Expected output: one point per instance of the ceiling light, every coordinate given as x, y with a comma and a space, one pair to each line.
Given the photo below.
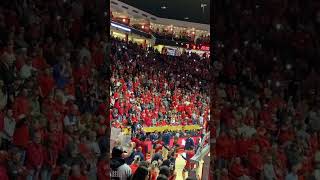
203, 5
163, 7
186, 18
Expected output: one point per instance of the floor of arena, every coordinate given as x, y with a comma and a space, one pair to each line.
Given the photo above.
180, 162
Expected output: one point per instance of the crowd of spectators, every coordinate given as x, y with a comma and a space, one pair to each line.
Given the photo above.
53, 91
133, 163
158, 168
265, 97
152, 89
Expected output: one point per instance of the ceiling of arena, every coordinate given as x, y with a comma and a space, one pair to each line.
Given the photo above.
186, 10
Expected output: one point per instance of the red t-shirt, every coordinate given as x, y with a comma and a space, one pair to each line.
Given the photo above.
137, 142
232, 148
34, 155
222, 146
70, 89
50, 156
81, 73
46, 84
189, 164
159, 146
286, 135
21, 136
153, 175
243, 147
21, 106
102, 109
3, 173
237, 170
263, 142
103, 173
256, 162
39, 63
134, 167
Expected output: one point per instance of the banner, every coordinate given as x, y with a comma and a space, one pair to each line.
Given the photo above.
168, 128
114, 137
119, 138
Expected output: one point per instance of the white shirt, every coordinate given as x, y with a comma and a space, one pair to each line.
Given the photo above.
316, 173
268, 171
94, 148
26, 71
247, 131
123, 172
69, 122
9, 127
201, 120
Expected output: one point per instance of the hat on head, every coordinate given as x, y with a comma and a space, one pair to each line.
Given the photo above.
117, 151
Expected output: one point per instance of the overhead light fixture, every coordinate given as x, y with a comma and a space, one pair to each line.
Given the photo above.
186, 18
163, 7
120, 27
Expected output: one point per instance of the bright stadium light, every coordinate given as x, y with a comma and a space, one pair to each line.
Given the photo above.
120, 27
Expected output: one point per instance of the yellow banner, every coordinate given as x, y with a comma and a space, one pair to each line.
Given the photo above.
163, 128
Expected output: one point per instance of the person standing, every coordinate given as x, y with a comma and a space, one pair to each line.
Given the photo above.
189, 143
35, 157
9, 126
189, 164
166, 137
119, 169
154, 138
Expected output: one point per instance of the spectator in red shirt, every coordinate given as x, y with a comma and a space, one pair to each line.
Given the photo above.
189, 164
39, 62
255, 162
237, 169
46, 83
222, 149
135, 164
35, 157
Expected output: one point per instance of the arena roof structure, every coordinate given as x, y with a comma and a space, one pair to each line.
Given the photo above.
197, 11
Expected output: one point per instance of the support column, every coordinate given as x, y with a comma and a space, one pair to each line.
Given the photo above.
127, 37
